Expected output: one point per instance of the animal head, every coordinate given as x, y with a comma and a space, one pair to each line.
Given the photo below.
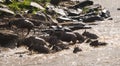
84, 33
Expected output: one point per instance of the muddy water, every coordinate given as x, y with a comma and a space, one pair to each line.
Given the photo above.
109, 31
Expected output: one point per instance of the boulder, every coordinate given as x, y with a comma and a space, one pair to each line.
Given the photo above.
7, 11
59, 11
34, 4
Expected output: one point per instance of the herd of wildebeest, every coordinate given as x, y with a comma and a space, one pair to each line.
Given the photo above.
42, 33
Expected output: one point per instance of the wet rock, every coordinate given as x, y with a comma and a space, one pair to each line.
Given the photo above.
34, 4
90, 35
63, 19
73, 12
83, 4
77, 49
6, 11
60, 11
3, 6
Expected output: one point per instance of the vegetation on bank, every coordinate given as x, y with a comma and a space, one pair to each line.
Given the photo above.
24, 5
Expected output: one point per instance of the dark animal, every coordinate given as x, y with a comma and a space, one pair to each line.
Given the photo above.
36, 22
35, 43
39, 48
52, 40
65, 36
77, 49
88, 40
59, 47
92, 18
8, 40
96, 43
22, 24
90, 35
80, 38
118, 8
83, 4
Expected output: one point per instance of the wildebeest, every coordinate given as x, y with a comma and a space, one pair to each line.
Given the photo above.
52, 40
83, 4
59, 47
35, 43
89, 35
8, 40
80, 38
65, 36
76, 49
96, 43
22, 24
92, 18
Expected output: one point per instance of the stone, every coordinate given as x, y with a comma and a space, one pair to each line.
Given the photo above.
7, 11
34, 4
